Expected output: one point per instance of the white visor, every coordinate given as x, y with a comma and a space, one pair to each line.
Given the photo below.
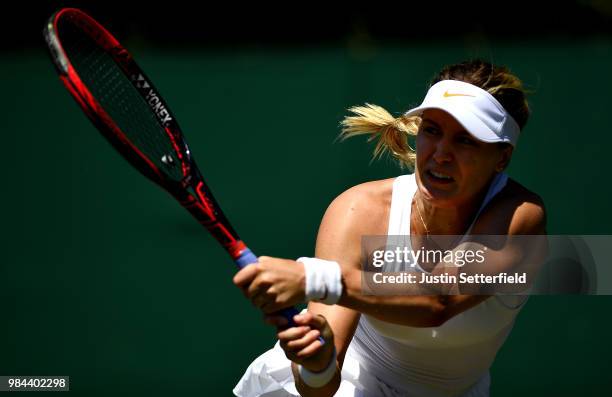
474, 108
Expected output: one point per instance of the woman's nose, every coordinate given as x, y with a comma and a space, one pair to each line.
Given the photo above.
442, 152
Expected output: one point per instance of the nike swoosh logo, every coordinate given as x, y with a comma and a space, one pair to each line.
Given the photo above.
447, 94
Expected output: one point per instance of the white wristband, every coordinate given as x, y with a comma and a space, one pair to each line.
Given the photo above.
323, 280
319, 379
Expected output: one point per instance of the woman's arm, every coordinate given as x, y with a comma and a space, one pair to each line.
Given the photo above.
352, 215
343, 321
513, 218
359, 212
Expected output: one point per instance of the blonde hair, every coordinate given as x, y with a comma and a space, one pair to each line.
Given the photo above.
393, 132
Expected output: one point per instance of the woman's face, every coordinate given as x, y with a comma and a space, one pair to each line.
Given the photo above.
452, 166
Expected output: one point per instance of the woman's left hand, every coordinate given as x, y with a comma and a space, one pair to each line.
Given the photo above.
272, 283
303, 342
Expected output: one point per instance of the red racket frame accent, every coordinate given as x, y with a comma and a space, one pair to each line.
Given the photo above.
192, 192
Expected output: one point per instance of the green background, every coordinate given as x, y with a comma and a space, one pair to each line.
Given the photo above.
104, 277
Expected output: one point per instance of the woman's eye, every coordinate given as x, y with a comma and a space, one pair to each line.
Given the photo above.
430, 130
467, 141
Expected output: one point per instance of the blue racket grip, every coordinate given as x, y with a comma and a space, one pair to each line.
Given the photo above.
246, 258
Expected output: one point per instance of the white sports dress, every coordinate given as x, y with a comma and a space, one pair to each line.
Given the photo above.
391, 360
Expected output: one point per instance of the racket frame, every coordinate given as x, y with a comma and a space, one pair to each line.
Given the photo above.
191, 192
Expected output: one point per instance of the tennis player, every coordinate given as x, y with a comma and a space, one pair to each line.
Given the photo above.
404, 345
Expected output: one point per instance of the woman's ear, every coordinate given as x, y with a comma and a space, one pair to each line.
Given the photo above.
504, 160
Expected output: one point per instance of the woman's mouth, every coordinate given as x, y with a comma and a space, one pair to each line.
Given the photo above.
439, 177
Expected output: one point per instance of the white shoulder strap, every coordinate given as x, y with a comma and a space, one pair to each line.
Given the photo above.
404, 188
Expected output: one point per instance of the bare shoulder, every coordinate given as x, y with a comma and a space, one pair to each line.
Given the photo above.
515, 210
363, 206
359, 211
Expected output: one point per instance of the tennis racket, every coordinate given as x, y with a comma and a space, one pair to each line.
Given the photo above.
130, 113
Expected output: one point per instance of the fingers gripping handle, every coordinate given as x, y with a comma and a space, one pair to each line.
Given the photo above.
247, 257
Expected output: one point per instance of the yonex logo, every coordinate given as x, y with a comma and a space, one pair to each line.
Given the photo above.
139, 81
158, 107
152, 99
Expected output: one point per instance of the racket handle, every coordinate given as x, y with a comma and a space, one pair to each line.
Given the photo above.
248, 257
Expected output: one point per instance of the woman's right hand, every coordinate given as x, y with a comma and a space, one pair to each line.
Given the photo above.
301, 343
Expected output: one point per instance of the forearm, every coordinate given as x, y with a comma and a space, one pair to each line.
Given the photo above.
404, 308
307, 391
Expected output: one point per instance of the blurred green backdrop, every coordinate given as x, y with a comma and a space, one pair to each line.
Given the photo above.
106, 279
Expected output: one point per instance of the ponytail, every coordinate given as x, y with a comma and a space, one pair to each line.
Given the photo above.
392, 133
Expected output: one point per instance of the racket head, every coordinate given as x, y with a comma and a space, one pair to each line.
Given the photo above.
128, 110
119, 98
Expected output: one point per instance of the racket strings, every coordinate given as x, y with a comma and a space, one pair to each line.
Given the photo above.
114, 91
